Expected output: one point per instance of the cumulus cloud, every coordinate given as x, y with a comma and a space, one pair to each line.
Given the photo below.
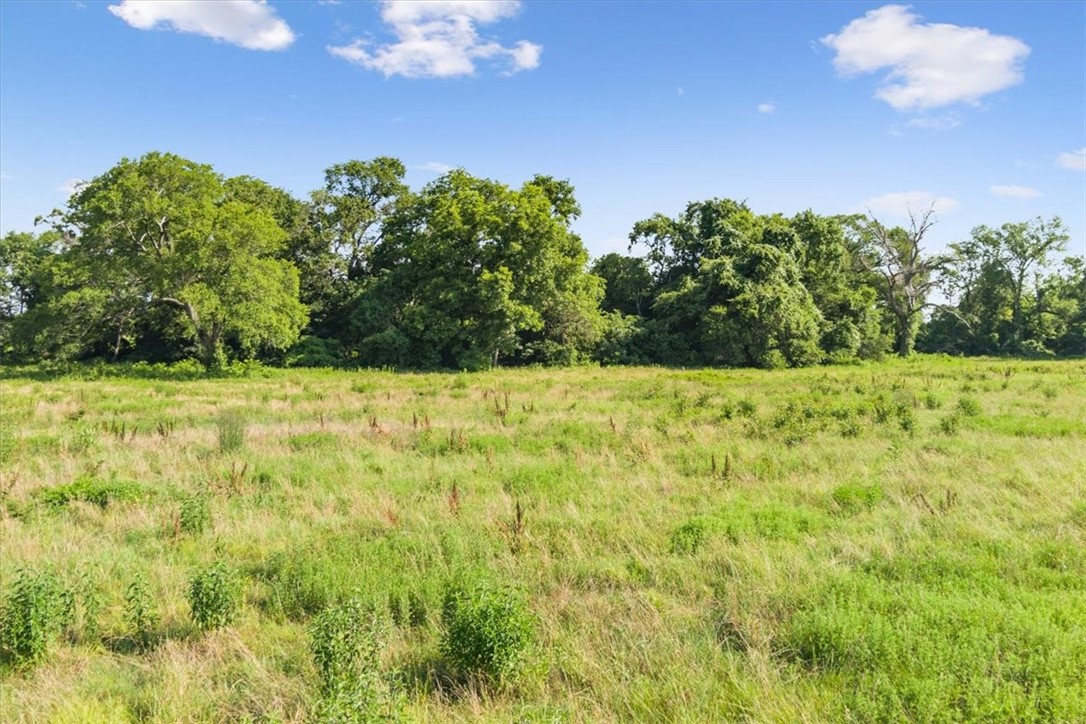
438, 39
1014, 192
435, 167
251, 24
767, 107
928, 64
1074, 160
903, 203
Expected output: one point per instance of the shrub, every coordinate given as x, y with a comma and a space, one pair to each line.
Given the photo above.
139, 613
35, 611
950, 424
195, 514
968, 406
231, 432
215, 597
488, 631
345, 642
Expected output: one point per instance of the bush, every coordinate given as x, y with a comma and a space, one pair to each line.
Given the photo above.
345, 642
488, 631
314, 352
968, 406
950, 424
35, 611
195, 514
215, 597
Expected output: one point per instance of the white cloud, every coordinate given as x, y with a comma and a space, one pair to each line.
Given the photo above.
1014, 192
251, 24
929, 64
1074, 160
438, 39
6, 176
70, 186
767, 107
435, 167
903, 203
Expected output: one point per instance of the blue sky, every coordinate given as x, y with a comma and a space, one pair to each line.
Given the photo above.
643, 106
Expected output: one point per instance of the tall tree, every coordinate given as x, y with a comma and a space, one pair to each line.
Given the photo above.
1021, 251
895, 256
470, 272
730, 289
164, 230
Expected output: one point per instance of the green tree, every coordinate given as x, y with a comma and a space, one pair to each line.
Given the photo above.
470, 272
1019, 254
845, 295
627, 283
730, 288
25, 278
163, 230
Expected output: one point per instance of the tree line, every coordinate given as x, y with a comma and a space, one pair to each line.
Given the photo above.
162, 259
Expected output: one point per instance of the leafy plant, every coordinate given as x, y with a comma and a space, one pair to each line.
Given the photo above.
92, 490
968, 406
950, 424
195, 514
35, 612
345, 642
139, 613
488, 631
214, 597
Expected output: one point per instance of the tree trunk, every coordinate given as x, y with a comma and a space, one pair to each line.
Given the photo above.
903, 337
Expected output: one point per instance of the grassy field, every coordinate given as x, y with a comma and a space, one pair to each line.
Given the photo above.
895, 542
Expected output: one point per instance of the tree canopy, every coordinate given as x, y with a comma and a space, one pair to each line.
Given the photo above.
163, 258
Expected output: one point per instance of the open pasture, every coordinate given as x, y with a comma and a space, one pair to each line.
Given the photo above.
903, 541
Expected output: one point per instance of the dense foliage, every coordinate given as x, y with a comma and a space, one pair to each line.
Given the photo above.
161, 259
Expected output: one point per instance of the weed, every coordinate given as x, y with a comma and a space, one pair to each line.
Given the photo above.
968, 406
950, 424
89, 489
35, 612
194, 515
855, 497
689, 537
214, 597
139, 613
345, 643
417, 614
231, 429
488, 631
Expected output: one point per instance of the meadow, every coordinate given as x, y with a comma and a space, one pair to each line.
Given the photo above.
900, 541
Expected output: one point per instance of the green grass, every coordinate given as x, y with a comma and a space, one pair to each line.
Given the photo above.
903, 541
